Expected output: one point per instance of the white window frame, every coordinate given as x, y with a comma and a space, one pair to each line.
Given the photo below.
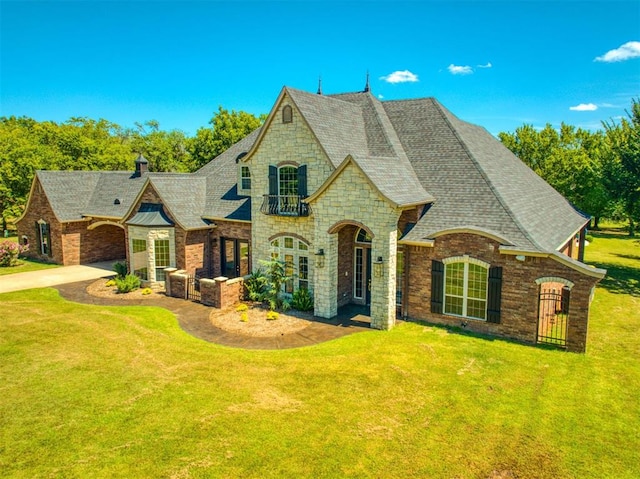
299, 249
466, 261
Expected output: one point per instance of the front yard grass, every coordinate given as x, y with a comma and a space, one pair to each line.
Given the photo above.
122, 392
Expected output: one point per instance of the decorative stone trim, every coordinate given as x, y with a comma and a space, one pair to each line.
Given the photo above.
466, 259
337, 226
555, 279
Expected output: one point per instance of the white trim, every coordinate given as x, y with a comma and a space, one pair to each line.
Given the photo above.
466, 259
555, 279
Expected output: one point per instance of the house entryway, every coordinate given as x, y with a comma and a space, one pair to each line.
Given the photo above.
553, 314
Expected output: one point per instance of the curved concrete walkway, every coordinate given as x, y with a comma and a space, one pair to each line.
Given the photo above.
193, 318
51, 277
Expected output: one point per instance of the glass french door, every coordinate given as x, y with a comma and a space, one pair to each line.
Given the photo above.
235, 258
362, 275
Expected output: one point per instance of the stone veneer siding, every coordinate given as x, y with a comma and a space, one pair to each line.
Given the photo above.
373, 211
519, 306
284, 142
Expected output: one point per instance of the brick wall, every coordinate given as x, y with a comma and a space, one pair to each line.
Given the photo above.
221, 292
72, 243
519, 306
346, 238
231, 230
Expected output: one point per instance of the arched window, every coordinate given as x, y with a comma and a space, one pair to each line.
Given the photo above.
295, 254
287, 114
363, 236
465, 288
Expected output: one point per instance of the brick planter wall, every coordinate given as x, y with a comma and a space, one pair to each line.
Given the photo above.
221, 292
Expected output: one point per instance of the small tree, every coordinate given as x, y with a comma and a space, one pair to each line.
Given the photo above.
266, 284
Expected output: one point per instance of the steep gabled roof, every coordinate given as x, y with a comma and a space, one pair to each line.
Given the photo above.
222, 198
113, 194
68, 192
184, 196
478, 183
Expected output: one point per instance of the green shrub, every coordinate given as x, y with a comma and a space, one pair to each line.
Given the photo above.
120, 269
127, 284
256, 285
302, 300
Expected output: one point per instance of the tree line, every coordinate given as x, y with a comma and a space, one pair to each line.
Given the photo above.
80, 143
597, 171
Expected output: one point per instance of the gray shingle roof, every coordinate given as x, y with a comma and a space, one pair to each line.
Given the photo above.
412, 150
477, 182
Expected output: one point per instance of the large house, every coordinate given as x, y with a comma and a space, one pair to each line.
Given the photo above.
396, 205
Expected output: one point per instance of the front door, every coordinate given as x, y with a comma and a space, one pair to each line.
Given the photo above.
362, 275
235, 258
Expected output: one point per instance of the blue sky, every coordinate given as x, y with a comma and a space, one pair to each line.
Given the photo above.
495, 63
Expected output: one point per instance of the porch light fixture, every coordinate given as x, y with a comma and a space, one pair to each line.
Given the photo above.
377, 267
319, 258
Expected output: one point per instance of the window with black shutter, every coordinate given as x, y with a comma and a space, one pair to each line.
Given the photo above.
437, 282
494, 296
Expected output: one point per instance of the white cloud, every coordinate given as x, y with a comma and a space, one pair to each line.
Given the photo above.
625, 52
584, 107
459, 70
488, 65
403, 76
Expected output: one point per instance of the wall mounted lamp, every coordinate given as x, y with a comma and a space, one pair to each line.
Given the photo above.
377, 267
319, 258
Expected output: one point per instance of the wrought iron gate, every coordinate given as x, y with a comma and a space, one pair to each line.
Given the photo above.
553, 316
193, 288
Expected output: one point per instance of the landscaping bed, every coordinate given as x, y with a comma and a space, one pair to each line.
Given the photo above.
254, 321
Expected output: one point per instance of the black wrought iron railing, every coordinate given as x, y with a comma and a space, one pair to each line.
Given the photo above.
285, 205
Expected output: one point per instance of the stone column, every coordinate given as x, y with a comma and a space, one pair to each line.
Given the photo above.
383, 286
325, 284
167, 280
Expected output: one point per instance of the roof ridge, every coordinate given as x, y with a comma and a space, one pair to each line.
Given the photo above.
484, 176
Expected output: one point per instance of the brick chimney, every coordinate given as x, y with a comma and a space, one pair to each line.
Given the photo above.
142, 166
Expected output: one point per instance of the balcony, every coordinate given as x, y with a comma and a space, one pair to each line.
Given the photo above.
285, 205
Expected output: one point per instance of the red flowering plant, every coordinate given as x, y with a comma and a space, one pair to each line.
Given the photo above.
10, 252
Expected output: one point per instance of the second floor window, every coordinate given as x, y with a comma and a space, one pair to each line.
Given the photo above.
245, 178
287, 187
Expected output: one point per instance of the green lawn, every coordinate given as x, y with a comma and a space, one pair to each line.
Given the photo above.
25, 264
123, 392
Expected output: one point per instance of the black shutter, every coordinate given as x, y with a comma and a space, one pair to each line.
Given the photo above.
437, 282
302, 190
38, 238
273, 189
495, 294
302, 181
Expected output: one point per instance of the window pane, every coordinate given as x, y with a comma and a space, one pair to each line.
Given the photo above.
138, 245
142, 273
359, 273
453, 305
302, 246
288, 271
454, 274
303, 272
477, 282
476, 308
288, 243
161, 254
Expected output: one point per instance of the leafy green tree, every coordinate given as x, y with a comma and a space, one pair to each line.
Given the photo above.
569, 159
165, 150
227, 128
622, 167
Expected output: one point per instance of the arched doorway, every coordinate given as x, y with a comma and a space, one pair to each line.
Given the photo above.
362, 267
103, 241
553, 311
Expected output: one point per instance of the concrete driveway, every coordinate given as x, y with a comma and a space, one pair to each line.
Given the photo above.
52, 277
